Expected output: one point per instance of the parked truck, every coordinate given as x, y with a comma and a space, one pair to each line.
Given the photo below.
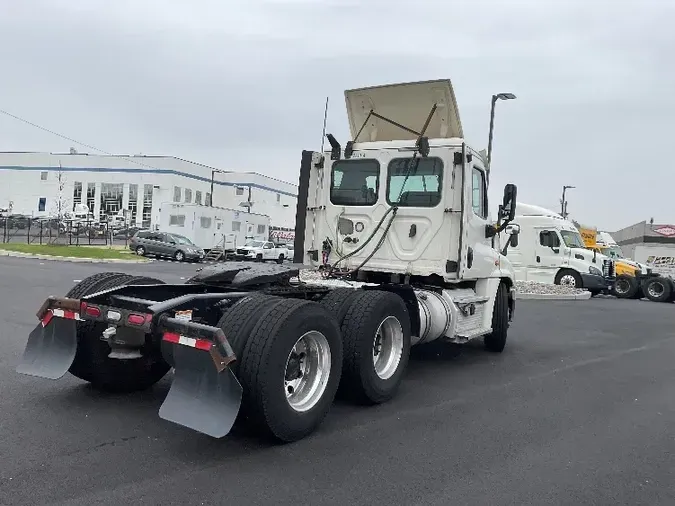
551, 250
630, 276
406, 201
660, 286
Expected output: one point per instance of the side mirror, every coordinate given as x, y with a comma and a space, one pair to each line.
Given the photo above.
513, 240
508, 208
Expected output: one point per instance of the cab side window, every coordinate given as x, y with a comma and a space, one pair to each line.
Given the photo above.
479, 193
549, 239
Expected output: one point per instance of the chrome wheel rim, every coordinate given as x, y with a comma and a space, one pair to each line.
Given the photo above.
621, 286
388, 347
307, 371
655, 289
568, 280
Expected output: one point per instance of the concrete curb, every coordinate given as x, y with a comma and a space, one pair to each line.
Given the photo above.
6, 253
552, 296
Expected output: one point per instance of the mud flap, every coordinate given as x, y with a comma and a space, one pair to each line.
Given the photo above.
50, 350
201, 398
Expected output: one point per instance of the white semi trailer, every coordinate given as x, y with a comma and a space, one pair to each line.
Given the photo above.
401, 212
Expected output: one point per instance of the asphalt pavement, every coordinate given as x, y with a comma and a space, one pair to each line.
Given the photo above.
578, 410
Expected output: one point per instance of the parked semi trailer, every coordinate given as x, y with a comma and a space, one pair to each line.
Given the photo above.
405, 206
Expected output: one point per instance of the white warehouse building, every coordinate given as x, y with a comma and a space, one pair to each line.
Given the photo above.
49, 184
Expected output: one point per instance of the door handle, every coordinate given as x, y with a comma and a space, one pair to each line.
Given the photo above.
538, 258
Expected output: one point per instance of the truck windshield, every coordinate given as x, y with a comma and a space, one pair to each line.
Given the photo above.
254, 244
355, 182
614, 252
572, 239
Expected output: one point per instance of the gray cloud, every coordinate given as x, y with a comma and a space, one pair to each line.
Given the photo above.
242, 84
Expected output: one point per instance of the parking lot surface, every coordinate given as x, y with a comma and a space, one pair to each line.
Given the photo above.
579, 409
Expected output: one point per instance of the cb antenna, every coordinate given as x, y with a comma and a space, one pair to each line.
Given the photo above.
325, 118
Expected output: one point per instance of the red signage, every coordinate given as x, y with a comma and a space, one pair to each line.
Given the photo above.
666, 230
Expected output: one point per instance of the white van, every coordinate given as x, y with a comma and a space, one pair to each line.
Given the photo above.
550, 250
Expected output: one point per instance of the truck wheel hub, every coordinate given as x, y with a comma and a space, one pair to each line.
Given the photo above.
388, 347
307, 371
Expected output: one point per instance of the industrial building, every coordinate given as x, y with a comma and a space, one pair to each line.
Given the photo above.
647, 235
50, 184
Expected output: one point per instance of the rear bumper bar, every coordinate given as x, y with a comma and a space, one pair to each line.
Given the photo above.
201, 337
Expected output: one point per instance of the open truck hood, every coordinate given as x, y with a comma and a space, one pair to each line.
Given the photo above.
408, 104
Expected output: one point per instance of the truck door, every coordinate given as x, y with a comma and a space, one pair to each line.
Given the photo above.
478, 257
547, 255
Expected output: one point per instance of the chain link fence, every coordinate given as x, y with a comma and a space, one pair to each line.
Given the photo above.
53, 231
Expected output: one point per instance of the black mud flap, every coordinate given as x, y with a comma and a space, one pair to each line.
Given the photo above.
50, 350
201, 397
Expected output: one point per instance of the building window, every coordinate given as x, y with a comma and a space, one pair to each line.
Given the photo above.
205, 222
198, 198
42, 204
176, 193
278, 197
43, 175
91, 197
240, 190
415, 183
208, 199
77, 194
111, 198
261, 229
236, 226
177, 220
478, 193
188, 196
133, 203
147, 206
355, 182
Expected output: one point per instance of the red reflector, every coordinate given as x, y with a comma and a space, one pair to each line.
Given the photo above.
136, 319
170, 337
203, 344
200, 344
92, 311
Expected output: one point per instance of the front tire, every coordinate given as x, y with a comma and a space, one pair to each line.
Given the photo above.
376, 336
179, 256
568, 277
625, 287
290, 369
496, 340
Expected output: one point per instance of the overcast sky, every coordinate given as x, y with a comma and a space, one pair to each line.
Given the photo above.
241, 84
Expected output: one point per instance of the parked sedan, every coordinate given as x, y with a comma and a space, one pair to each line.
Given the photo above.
161, 244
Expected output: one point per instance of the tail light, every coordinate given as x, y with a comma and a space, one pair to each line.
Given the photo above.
138, 319
92, 311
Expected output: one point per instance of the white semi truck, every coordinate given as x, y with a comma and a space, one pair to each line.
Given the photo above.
404, 205
551, 250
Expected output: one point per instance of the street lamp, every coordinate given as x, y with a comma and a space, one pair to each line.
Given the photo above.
498, 96
213, 173
563, 202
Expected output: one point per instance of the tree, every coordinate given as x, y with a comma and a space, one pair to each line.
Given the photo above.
62, 204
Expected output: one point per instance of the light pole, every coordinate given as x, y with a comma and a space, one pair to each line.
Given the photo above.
563, 202
213, 174
495, 98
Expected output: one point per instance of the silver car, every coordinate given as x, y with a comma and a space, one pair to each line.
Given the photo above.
161, 244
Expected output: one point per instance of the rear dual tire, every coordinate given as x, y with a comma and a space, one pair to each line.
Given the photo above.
375, 327
289, 354
658, 289
92, 363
